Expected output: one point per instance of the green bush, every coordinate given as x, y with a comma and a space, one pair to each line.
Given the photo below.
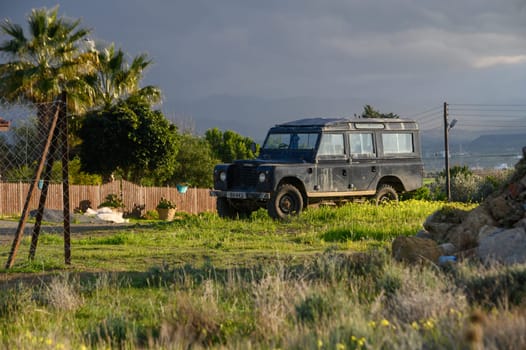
467, 187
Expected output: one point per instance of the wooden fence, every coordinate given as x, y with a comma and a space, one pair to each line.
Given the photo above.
195, 200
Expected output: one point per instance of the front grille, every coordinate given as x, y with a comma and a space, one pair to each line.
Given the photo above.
242, 176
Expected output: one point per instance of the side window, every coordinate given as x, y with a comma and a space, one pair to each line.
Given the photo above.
331, 145
398, 143
362, 145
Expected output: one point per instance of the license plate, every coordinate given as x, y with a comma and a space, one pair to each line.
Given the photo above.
237, 195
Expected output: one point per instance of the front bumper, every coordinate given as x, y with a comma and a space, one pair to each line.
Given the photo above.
240, 194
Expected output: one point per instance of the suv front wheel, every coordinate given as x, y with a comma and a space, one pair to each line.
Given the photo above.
285, 202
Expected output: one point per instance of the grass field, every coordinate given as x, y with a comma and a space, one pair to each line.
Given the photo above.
324, 280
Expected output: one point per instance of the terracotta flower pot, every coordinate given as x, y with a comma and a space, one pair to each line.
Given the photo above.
166, 214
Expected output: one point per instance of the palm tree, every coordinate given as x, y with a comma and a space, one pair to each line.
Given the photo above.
115, 80
45, 63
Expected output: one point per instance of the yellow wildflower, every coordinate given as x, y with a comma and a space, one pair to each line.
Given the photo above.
429, 324
372, 324
415, 325
340, 346
384, 323
361, 342
320, 344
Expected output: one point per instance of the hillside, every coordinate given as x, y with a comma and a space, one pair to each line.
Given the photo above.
495, 143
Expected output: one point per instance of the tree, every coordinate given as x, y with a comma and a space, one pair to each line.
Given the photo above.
195, 162
370, 112
114, 79
229, 146
130, 138
47, 62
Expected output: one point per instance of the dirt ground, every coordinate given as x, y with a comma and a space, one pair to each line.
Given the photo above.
8, 228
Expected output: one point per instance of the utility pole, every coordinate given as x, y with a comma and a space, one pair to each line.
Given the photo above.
446, 153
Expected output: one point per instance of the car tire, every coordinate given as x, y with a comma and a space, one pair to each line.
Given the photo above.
385, 194
225, 209
287, 201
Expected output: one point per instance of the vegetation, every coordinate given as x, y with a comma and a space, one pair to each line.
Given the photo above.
166, 204
131, 139
205, 282
466, 186
370, 112
46, 62
114, 80
112, 201
194, 162
228, 146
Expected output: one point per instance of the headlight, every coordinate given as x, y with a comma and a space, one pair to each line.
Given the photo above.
262, 177
222, 176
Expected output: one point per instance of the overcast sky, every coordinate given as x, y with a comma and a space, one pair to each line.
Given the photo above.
245, 65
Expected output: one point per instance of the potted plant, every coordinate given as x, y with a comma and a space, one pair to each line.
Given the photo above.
182, 187
114, 202
166, 209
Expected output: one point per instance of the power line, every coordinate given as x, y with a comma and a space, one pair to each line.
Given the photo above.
434, 109
486, 105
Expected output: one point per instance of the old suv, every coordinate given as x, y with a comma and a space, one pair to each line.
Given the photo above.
310, 161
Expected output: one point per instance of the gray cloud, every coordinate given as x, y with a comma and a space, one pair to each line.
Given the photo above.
401, 55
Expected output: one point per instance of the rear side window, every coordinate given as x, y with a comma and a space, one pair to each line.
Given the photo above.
397, 143
362, 145
331, 145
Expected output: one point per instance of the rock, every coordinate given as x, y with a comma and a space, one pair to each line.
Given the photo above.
505, 246
442, 221
521, 223
415, 249
447, 249
465, 235
505, 210
423, 234
487, 230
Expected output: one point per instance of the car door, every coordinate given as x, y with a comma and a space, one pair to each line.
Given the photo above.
332, 173
363, 166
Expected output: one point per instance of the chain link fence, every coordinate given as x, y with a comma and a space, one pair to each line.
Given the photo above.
24, 129
33, 144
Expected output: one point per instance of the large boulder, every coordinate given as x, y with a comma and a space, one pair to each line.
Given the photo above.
465, 235
442, 221
507, 246
505, 209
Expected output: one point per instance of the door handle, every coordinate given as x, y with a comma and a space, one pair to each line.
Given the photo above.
344, 172
373, 169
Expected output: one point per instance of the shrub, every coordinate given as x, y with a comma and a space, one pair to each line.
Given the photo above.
313, 309
466, 186
112, 201
166, 204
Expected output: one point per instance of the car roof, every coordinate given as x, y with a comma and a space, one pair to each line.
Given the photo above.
315, 122
335, 121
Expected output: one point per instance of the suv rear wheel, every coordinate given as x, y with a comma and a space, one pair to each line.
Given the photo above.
385, 194
285, 202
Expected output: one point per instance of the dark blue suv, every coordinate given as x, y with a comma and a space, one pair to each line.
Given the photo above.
317, 160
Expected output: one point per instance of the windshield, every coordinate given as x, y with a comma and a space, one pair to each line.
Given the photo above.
291, 141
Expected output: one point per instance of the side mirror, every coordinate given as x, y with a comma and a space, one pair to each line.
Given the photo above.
253, 147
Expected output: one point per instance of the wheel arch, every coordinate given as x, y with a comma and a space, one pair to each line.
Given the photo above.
392, 181
294, 181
